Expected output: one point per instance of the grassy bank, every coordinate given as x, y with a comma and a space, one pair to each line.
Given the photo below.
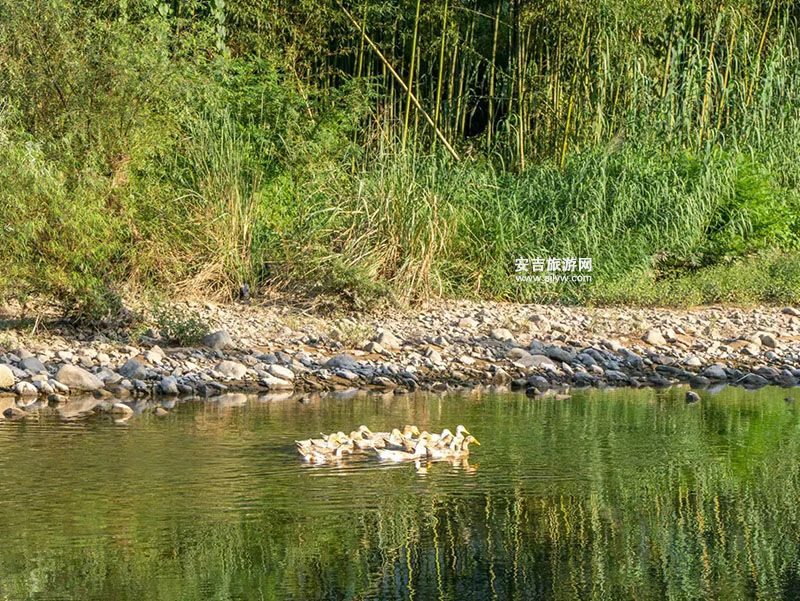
191, 148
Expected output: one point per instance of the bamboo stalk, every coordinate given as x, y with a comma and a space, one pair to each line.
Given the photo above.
708, 78
440, 77
402, 83
571, 101
411, 70
493, 74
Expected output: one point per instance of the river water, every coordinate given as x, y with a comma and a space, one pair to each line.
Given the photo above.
608, 495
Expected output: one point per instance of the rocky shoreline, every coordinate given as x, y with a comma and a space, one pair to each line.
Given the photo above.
440, 347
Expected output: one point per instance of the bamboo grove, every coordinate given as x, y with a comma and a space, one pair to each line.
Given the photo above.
538, 80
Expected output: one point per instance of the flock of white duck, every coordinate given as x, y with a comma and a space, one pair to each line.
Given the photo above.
408, 444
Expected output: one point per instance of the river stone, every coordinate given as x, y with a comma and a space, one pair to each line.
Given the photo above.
33, 365
754, 380
7, 378
218, 340
342, 361
26, 389
154, 355
388, 340
274, 383
693, 361
467, 323
768, 340
715, 372
502, 334
77, 378
791, 311
537, 361
373, 347
751, 349
434, 355
279, 371
559, 354
168, 385
43, 386
654, 338
134, 368
231, 369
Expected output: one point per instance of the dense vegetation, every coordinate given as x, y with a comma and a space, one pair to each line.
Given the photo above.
398, 147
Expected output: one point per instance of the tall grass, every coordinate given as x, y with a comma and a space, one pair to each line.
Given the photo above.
430, 226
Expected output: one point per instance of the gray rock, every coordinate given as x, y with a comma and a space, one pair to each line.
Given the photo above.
279, 371
218, 340
693, 361
536, 361
33, 365
346, 374
768, 340
374, 347
7, 378
77, 378
43, 386
715, 372
434, 355
65, 355
751, 350
617, 376
559, 354
654, 338
467, 323
753, 380
231, 369
342, 361
791, 311
275, 383
154, 355
134, 368
502, 334
168, 385
26, 389
388, 340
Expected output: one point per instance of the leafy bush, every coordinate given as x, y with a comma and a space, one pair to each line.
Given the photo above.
180, 326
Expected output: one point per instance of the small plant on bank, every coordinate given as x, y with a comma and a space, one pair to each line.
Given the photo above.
180, 326
350, 334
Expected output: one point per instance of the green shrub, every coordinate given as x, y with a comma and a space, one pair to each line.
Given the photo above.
180, 326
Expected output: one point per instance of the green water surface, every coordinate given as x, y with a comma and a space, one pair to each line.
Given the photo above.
608, 495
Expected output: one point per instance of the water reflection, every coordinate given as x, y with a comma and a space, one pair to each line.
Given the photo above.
622, 495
